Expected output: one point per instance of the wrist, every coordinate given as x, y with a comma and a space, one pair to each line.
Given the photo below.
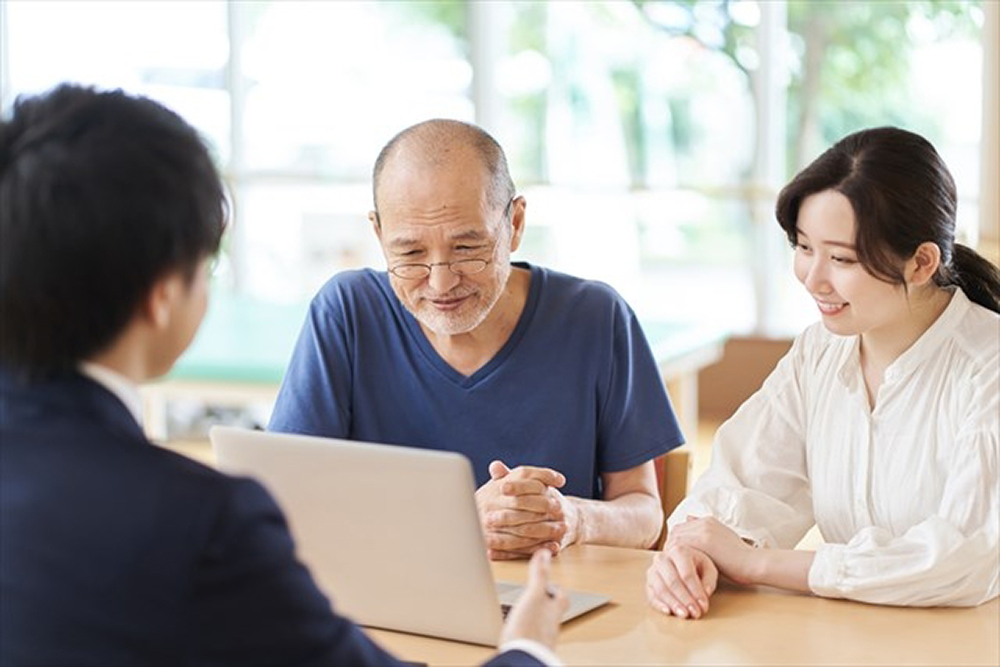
756, 565
542, 652
576, 527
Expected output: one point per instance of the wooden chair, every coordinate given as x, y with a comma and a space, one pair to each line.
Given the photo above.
672, 470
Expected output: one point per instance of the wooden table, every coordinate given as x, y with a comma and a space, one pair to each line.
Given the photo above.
759, 626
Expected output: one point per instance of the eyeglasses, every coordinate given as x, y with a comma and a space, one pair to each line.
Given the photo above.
460, 267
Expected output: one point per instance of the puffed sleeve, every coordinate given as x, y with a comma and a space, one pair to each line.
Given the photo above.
950, 558
757, 481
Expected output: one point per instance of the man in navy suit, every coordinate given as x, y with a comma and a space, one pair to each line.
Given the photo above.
114, 551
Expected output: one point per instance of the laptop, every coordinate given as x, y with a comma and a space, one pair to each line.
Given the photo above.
391, 534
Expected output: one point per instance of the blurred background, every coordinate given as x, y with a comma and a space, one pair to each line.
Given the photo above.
650, 137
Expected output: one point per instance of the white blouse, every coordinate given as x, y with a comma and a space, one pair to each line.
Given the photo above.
905, 496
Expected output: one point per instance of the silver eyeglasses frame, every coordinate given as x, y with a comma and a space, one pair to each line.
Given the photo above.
460, 267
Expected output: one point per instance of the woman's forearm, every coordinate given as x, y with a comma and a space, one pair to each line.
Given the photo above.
782, 568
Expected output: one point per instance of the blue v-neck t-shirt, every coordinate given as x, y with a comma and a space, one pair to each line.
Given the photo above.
575, 387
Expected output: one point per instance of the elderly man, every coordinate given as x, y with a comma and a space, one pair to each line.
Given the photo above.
113, 551
543, 380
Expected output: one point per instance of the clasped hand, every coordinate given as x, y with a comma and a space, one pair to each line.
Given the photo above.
684, 575
522, 510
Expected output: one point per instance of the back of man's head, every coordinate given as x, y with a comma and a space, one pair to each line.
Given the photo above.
436, 142
101, 195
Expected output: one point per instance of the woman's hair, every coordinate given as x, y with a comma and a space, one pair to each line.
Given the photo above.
101, 195
902, 195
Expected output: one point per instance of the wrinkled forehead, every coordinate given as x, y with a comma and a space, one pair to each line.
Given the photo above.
414, 237
433, 194
414, 173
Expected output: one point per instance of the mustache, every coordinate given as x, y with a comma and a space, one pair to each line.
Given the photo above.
455, 294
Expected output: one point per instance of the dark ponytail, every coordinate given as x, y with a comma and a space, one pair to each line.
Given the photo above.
977, 276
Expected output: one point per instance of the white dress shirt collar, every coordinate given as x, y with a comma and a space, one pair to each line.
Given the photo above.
123, 388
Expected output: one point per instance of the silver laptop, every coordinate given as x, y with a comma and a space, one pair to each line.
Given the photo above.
391, 534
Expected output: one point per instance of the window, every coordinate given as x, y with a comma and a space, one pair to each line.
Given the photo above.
633, 142
324, 86
650, 137
174, 52
864, 64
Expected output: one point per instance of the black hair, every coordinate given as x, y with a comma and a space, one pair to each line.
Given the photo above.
902, 195
101, 194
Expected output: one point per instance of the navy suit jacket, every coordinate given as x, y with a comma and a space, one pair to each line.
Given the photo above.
114, 551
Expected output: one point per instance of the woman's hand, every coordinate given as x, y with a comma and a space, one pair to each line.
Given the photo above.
680, 581
733, 557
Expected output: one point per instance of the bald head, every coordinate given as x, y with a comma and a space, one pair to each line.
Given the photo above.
434, 144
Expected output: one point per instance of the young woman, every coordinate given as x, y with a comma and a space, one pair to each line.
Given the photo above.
880, 425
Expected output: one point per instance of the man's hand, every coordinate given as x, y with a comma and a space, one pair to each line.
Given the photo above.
538, 611
680, 581
519, 512
571, 519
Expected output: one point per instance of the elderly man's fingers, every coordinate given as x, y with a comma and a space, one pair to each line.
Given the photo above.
538, 530
504, 519
537, 504
523, 487
546, 476
497, 554
498, 469
505, 541
521, 554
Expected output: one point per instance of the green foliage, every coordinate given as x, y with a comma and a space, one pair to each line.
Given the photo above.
528, 162
450, 14
853, 56
528, 33
626, 84
529, 27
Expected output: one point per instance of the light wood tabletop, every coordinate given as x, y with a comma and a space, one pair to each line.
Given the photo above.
758, 626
